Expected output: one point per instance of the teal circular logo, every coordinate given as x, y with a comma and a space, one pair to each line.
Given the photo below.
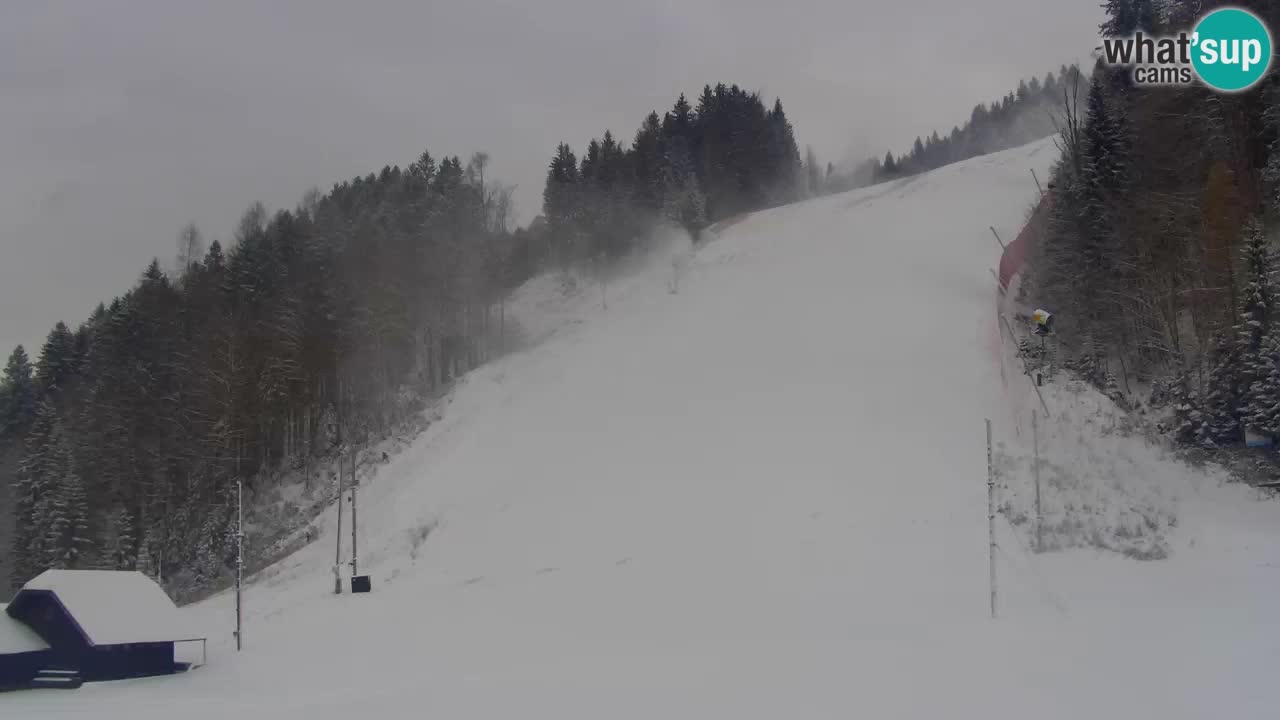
1231, 49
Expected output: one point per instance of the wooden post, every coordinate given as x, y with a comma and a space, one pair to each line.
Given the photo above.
991, 521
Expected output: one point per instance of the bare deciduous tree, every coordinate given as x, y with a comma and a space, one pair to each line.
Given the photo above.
190, 248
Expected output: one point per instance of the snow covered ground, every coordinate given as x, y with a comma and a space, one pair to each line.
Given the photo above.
762, 496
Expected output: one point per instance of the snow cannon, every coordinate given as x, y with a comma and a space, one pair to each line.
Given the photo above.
1043, 320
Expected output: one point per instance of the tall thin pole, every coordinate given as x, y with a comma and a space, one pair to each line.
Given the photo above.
991, 520
604, 285
1035, 449
354, 484
1014, 337
337, 553
239, 558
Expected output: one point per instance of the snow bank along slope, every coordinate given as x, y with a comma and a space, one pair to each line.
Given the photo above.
763, 496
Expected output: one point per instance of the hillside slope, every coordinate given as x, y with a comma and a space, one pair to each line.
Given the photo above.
763, 496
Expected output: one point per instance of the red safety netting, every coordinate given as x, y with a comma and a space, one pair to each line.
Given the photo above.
1015, 253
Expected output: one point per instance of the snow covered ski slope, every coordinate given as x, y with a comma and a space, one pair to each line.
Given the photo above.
761, 496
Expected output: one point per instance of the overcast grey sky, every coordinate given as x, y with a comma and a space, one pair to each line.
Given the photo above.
120, 121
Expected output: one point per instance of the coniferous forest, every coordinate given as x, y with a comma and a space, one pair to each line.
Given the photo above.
315, 329
1031, 112
1157, 252
320, 328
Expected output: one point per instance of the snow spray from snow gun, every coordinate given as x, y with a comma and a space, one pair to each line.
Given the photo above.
1041, 318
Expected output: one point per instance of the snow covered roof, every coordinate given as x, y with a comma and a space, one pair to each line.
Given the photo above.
115, 607
16, 637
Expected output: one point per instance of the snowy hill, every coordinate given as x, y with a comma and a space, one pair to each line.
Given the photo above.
761, 496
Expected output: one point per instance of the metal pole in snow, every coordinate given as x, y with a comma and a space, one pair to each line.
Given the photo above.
354, 484
337, 553
1035, 445
239, 558
1014, 338
991, 520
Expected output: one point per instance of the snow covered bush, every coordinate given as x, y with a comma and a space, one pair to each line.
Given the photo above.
1102, 485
